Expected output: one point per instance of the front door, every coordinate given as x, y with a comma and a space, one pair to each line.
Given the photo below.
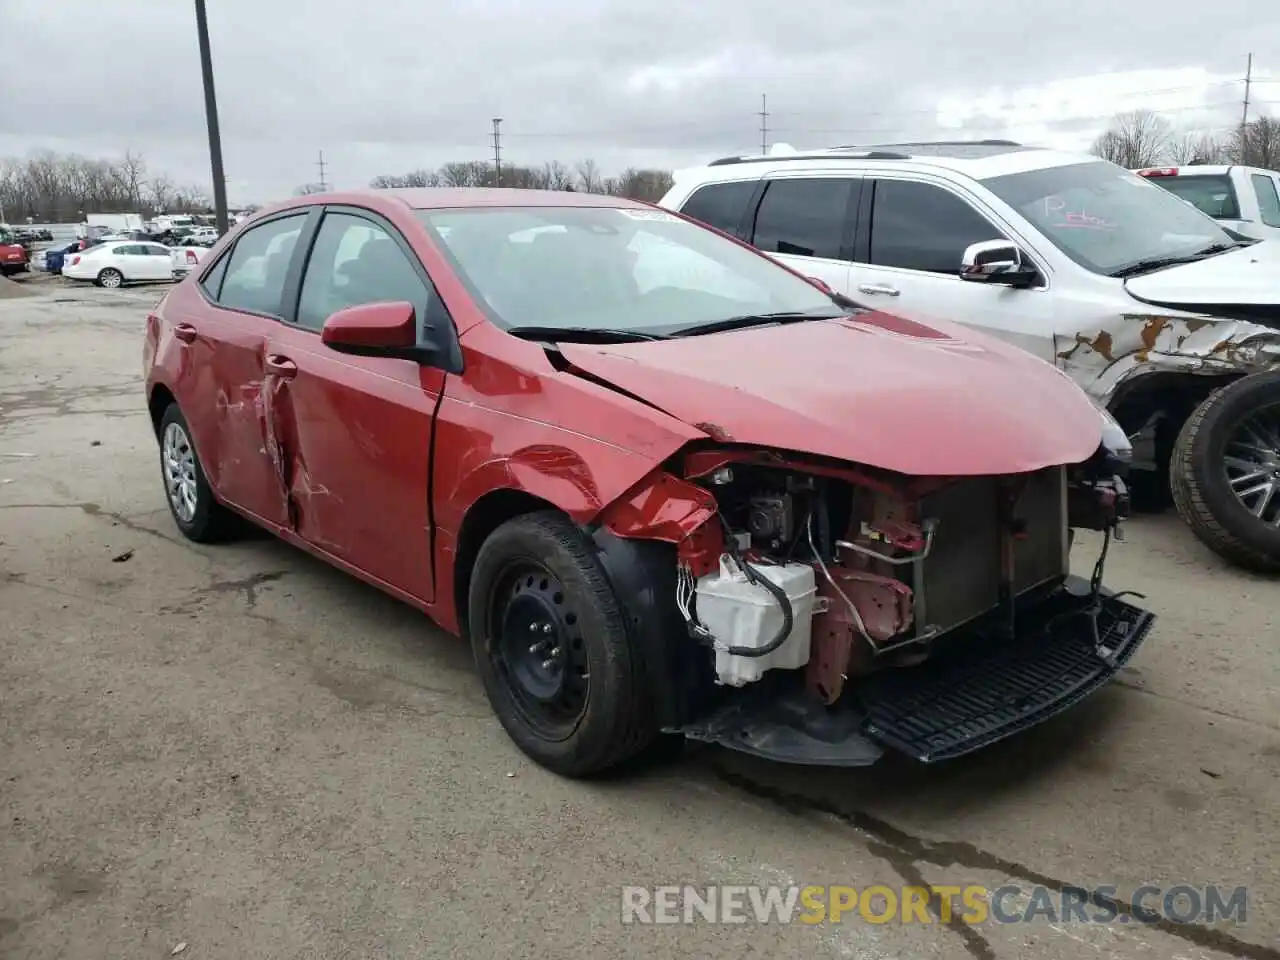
356, 431
908, 258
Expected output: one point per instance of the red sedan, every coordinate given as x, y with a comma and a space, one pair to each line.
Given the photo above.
662, 483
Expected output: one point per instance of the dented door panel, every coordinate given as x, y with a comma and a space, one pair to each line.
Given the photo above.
353, 441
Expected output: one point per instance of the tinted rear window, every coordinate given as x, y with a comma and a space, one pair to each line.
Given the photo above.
1211, 193
720, 205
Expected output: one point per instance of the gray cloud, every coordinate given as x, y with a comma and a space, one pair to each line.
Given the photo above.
383, 87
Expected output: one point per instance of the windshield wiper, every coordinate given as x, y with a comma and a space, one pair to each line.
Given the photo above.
1155, 263
755, 320
583, 334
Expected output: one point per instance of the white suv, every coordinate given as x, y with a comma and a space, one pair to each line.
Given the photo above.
1142, 299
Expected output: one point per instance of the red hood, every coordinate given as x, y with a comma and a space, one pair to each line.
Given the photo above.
878, 390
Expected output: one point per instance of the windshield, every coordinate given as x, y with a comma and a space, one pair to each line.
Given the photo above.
6, 235
1105, 218
606, 268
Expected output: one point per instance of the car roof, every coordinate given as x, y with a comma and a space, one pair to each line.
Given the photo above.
979, 159
441, 198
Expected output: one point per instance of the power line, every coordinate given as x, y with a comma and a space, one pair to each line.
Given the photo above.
497, 152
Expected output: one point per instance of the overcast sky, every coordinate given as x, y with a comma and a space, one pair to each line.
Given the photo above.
385, 87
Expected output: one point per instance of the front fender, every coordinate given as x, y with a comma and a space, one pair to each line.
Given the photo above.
1105, 358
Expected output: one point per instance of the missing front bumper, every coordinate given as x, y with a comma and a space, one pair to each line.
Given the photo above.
973, 691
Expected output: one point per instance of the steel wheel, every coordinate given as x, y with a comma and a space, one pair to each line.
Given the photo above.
537, 650
180, 472
1252, 464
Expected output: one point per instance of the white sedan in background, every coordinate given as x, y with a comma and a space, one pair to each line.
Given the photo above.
113, 264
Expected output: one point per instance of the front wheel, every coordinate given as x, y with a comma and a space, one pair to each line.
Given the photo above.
552, 646
1225, 472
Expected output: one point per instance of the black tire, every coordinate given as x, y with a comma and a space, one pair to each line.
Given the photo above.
210, 521
109, 277
1200, 483
616, 722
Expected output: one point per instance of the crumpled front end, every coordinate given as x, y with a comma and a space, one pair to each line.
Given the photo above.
841, 610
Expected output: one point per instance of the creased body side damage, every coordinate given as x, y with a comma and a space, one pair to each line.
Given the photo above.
1104, 359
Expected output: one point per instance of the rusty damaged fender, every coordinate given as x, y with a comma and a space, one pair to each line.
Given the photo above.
1102, 360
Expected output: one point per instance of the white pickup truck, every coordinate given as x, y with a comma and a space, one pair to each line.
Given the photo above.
1243, 199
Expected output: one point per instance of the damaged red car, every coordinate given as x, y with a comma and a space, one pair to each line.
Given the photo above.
663, 484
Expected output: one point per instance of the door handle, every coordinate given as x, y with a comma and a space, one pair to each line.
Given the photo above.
282, 367
881, 288
185, 332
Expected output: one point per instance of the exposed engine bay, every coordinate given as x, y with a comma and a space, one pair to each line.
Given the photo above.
820, 575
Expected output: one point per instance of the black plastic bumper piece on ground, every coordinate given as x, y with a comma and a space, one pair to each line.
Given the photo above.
974, 691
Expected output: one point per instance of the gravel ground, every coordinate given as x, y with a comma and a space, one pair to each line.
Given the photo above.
241, 750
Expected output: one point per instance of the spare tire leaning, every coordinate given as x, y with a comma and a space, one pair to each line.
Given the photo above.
1225, 472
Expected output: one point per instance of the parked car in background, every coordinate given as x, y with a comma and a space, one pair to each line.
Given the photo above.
14, 257
113, 264
1165, 318
50, 258
1245, 199
660, 481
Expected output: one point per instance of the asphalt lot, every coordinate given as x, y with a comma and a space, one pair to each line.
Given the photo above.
244, 751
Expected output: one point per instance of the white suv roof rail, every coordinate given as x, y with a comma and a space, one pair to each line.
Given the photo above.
885, 151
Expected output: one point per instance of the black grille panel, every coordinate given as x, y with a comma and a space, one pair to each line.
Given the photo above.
981, 689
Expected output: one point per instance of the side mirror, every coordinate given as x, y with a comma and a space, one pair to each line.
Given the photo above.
375, 330
995, 261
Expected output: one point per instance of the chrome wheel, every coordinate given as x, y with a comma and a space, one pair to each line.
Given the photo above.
1252, 463
111, 279
180, 472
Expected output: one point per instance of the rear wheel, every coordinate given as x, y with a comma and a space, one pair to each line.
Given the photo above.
552, 647
1225, 472
198, 515
110, 277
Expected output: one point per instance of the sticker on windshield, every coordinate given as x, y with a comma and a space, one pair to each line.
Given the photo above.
650, 215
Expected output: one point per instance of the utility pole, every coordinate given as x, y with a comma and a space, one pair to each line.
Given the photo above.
324, 184
1244, 116
497, 152
764, 123
211, 119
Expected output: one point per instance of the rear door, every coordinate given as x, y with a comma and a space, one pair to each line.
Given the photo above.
159, 261
131, 260
807, 222
911, 239
356, 432
239, 306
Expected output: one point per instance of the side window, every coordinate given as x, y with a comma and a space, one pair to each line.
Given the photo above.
720, 205
803, 217
918, 226
1268, 200
130, 250
212, 283
355, 261
153, 250
255, 275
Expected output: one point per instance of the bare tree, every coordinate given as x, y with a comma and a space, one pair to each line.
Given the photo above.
307, 189
1139, 138
159, 193
589, 177
1192, 148
1258, 144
